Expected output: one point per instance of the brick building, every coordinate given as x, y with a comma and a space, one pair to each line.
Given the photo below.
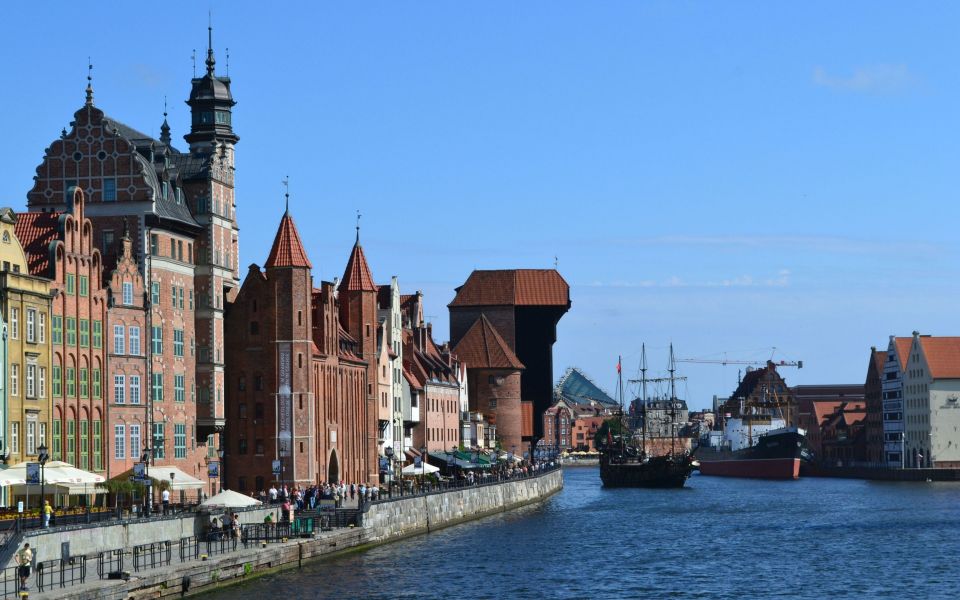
494, 380
434, 375
61, 248
357, 304
873, 399
297, 385
181, 211
127, 417
524, 307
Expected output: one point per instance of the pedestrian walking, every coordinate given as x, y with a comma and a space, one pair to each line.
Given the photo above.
24, 562
47, 513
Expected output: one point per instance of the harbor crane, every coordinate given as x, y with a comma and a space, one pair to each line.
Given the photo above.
750, 363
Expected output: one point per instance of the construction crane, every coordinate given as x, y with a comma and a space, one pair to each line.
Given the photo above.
752, 363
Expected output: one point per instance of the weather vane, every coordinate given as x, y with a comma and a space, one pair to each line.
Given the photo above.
193, 57
358, 224
286, 192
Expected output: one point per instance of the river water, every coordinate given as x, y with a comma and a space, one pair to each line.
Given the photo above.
716, 538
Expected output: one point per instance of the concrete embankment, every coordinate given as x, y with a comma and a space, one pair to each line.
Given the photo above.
383, 522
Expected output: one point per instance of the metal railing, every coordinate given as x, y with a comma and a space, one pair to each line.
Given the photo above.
47, 574
264, 532
189, 548
221, 544
502, 475
10, 583
150, 556
109, 561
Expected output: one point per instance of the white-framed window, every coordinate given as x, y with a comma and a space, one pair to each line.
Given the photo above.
119, 343
42, 327
119, 442
31, 325
31, 380
31, 437
43, 434
14, 379
14, 437
134, 440
42, 382
119, 387
127, 293
134, 340
14, 322
134, 390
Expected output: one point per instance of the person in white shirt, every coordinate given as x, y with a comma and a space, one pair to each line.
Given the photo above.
165, 500
273, 494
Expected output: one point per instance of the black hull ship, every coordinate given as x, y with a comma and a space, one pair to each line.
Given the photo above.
655, 472
624, 465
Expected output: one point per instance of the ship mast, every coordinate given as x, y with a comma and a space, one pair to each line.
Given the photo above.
673, 402
643, 396
620, 385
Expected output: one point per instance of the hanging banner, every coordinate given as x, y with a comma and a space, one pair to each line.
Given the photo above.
284, 402
33, 473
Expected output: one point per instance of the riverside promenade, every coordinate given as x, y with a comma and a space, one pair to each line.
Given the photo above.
188, 564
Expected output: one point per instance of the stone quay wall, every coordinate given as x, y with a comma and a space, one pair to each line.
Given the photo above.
89, 540
383, 522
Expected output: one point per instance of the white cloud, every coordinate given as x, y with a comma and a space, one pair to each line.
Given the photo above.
880, 78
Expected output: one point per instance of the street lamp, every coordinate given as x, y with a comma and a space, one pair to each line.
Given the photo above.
423, 464
389, 452
145, 459
42, 457
170, 491
221, 453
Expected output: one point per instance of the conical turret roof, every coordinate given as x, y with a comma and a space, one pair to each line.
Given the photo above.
357, 276
287, 249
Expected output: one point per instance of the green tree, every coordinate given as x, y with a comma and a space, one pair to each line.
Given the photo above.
612, 425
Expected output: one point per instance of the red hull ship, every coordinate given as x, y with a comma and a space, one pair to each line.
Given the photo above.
776, 455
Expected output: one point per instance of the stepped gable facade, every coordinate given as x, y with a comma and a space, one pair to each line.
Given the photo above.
297, 386
60, 247
128, 425
181, 211
524, 307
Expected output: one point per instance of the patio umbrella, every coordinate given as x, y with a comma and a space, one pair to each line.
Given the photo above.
229, 499
424, 468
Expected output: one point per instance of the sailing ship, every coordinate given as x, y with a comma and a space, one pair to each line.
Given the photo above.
758, 442
624, 464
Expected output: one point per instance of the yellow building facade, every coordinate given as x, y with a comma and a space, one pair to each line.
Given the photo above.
26, 303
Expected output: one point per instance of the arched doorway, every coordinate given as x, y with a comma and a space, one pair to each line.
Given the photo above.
333, 471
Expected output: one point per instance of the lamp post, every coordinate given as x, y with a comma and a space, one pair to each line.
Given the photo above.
389, 452
42, 457
221, 453
423, 464
172, 476
145, 459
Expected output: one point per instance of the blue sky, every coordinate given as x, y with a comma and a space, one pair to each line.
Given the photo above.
730, 177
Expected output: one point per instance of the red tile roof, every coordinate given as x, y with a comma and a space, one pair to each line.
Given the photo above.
943, 356
357, 276
482, 347
287, 248
36, 230
514, 287
903, 345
